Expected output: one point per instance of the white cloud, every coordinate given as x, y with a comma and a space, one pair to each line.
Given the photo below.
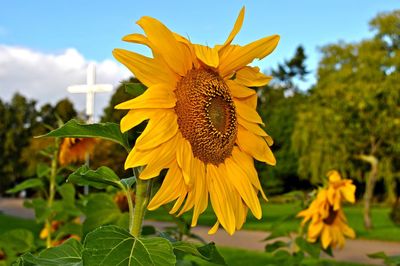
45, 77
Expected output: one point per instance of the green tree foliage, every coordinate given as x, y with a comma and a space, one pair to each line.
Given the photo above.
351, 120
278, 107
20, 121
292, 69
17, 120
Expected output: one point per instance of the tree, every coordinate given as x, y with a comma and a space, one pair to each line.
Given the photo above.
48, 117
291, 69
278, 107
351, 120
17, 120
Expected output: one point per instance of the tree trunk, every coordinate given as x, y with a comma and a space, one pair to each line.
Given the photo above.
369, 188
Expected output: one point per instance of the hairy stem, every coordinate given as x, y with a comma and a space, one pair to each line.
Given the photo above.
130, 206
142, 197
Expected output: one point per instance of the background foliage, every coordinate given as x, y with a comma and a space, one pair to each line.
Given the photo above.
351, 114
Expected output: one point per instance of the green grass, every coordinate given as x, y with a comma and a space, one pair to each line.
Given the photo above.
11, 222
239, 257
384, 228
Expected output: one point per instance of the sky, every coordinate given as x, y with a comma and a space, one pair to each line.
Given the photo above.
46, 45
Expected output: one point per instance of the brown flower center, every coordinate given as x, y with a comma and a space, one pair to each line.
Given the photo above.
206, 115
331, 216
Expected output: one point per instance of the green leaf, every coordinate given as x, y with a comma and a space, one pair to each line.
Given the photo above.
388, 260
67, 254
111, 245
207, 252
41, 209
313, 249
109, 131
100, 210
128, 182
101, 178
274, 246
15, 242
67, 192
29, 183
42, 170
20, 240
134, 89
277, 232
328, 251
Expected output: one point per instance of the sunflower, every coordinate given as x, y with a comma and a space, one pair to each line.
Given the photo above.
326, 222
340, 189
203, 125
75, 149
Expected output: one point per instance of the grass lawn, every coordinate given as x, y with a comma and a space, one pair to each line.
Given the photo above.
384, 228
239, 257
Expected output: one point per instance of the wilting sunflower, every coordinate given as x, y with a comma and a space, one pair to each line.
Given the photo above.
326, 222
340, 189
203, 125
75, 149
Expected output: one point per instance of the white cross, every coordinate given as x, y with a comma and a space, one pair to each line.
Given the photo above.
90, 88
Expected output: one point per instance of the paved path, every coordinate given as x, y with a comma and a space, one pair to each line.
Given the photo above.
354, 250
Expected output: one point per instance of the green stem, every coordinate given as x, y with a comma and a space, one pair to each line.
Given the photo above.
52, 189
130, 206
143, 190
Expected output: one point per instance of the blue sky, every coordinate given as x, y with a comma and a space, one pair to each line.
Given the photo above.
94, 28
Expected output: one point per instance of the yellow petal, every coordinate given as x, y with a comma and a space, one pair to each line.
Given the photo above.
156, 159
184, 158
170, 188
157, 96
219, 197
158, 131
179, 202
348, 193
238, 90
164, 42
251, 77
241, 214
207, 55
233, 59
236, 28
238, 178
334, 176
314, 229
331, 194
246, 162
248, 113
252, 127
200, 187
250, 101
255, 146
326, 237
136, 116
144, 68
136, 38
189, 203
214, 229
348, 231
160, 161
189, 47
